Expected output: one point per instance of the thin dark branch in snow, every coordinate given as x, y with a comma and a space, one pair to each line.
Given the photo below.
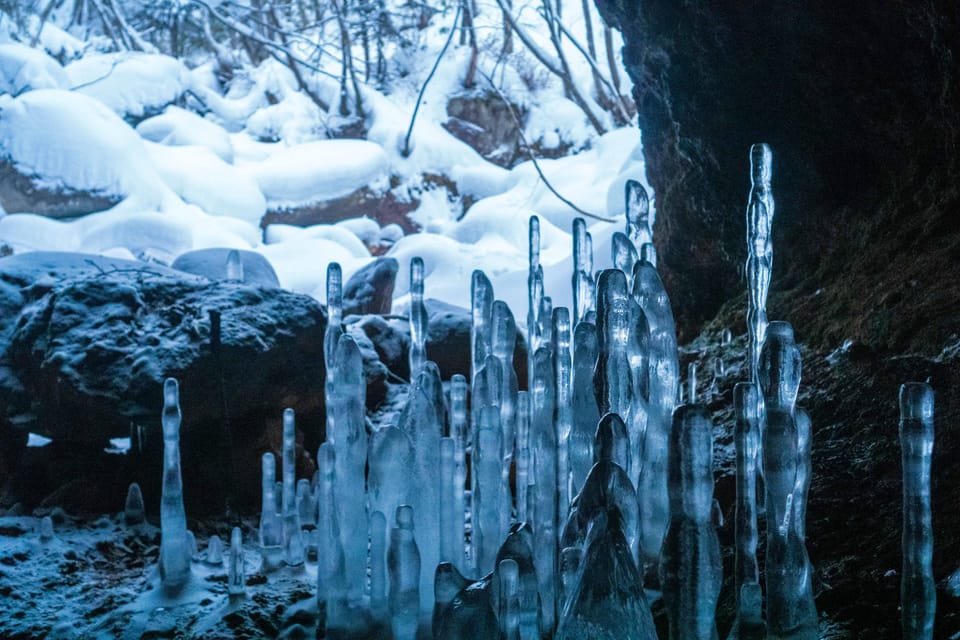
446, 45
533, 159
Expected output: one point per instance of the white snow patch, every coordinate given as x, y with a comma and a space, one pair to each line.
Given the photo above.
132, 84
24, 69
179, 127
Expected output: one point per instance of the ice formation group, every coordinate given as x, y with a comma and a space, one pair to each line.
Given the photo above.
490, 512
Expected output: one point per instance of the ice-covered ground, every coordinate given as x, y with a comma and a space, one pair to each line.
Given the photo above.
184, 181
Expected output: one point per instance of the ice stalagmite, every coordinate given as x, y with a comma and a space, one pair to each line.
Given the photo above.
378, 565
638, 214
214, 555
918, 596
133, 510
447, 583
504, 340
663, 382
690, 568
423, 418
607, 602
534, 290
624, 255
391, 482
459, 431
471, 615
524, 457
543, 434
46, 529
451, 527
508, 596
234, 267
519, 547
306, 504
331, 578
271, 527
294, 551
648, 253
748, 624
349, 410
481, 305
236, 578
403, 565
563, 377
760, 209
331, 337
582, 281
174, 552
791, 612
583, 400
487, 487
418, 319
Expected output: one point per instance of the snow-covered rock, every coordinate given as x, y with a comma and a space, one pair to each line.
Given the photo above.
370, 288
314, 172
212, 263
132, 84
66, 154
179, 127
23, 68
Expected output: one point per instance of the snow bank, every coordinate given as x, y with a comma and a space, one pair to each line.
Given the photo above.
202, 178
179, 127
132, 84
24, 69
73, 142
319, 171
301, 263
278, 233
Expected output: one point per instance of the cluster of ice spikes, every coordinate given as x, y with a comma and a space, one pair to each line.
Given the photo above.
487, 512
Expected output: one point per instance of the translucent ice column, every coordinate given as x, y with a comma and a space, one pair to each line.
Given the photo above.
451, 526
331, 336
918, 596
503, 341
236, 578
624, 255
524, 458
582, 281
791, 612
481, 338
174, 552
534, 292
760, 208
563, 377
459, 430
331, 580
234, 266
690, 568
403, 565
664, 378
748, 624
638, 214
271, 527
487, 487
133, 510
418, 319
294, 551
585, 413
349, 409
542, 396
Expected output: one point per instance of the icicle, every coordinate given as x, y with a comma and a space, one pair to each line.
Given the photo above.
648, 253
518, 547
585, 412
306, 505
691, 571
418, 319
192, 550
174, 554
524, 462
234, 266
582, 281
349, 411
504, 341
294, 552
534, 291
271, 527
791, 612
214, 555
569, 570
459, 430
637, 213
918, 596
403, 562
390, 483
46, 529
487, 486
760, 210
563, 377
330, 338
378, 565
331, 580
544, 436
448, 582
692, 382
451, 527
726, 337
133, 510
748, 624
509, 599
624, 256
481, 304
236, 578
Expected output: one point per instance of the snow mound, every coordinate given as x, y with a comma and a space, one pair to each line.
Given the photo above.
348, 240
301, 263
24, 69
132, 84
318, 171
202, 178
55, 40
179, 127
69, 141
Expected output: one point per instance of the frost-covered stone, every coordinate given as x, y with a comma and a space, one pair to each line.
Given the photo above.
370, 288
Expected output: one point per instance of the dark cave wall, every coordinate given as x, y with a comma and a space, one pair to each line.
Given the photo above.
859, 102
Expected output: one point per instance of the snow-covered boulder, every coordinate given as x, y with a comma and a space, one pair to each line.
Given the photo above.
315, 172
212, 263
23, 68
370, 288
179, 127
64, 154
133, 84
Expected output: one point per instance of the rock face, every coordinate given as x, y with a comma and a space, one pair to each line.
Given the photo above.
370, 290
859, 103
488, 124
84, 356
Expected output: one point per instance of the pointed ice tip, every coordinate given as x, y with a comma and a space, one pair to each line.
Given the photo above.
234, 266
636, 197
761, 163
171, 393
611, 442
780, 329
648, 253
916, 401
404, 517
